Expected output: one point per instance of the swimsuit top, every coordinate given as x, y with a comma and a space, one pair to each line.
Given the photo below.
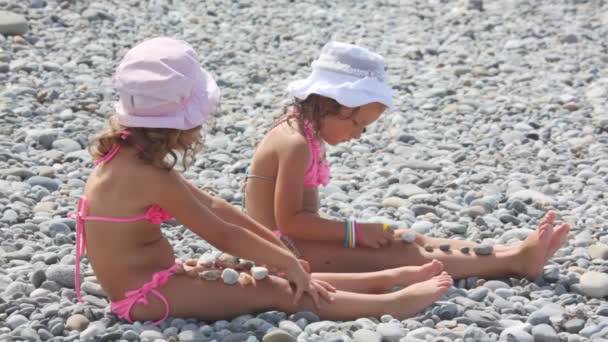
317, 172
155, 214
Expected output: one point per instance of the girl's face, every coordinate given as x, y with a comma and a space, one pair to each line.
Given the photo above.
349, 123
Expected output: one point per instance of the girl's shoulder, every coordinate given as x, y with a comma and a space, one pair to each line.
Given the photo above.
287, 137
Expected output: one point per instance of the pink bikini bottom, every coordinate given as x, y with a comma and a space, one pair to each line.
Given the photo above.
122, 308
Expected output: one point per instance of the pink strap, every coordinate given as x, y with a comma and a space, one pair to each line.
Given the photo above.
80, 240
141, 295
155, 214
114, 150
317, 172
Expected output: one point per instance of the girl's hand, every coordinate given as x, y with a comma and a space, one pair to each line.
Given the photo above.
317, 289
373, 235
305, 265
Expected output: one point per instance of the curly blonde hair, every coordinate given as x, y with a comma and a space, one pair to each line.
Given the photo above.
158, 143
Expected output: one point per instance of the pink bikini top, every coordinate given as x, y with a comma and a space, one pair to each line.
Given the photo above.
317, 172
155, 214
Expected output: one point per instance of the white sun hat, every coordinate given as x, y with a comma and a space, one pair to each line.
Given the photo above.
350, 74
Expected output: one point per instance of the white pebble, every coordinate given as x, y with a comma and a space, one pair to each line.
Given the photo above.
259, 273
230, 276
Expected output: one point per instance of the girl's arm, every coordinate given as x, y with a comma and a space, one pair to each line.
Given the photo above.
232, 214
175, 196
290, 215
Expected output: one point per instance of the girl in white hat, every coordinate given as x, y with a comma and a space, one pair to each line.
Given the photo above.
346, 92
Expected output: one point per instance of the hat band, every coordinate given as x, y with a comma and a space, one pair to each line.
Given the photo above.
333, 65
130, 103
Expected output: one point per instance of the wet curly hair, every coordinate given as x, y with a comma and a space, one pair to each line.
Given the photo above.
159, 143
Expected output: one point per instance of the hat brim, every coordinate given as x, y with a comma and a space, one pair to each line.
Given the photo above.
193, 113
349, 91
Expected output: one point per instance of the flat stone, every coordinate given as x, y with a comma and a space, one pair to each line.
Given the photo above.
62, 274
12, 24
594, 284
544, 333
574, 325
364, 335
445, 247
598, 251
422, 227
18, 287
419, 165
516, 334
151, 335
475, 334
14, 321
422, 209
290, 327
392, 202
481, 318
535, 197
390, 332
483, 249
423, 334
317, 327
473, 211
77, 322
48, 183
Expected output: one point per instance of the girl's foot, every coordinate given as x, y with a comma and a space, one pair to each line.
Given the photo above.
532, 252
415, 298
407, 275
559, 238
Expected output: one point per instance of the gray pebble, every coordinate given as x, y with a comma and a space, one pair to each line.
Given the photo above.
483, 249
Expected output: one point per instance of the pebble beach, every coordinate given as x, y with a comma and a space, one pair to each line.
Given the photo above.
501, 114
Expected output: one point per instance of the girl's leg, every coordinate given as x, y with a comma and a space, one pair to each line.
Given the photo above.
213, 300
525, 260
424, 240
457, 244
381, 281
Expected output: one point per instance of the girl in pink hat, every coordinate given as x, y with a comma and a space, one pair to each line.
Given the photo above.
165, 97
346, 92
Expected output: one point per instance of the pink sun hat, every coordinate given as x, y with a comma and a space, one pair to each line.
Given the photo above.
161, 84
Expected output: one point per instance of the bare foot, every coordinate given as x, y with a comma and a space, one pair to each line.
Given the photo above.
559, 238
533, 250
415, 298
407, 275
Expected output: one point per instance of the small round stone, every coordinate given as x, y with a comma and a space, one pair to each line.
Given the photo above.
465, 250
408, 237
428, 248
259, 273
483, 249
444, 247
230, 276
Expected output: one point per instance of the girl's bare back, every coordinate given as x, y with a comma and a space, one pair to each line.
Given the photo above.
135, 249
